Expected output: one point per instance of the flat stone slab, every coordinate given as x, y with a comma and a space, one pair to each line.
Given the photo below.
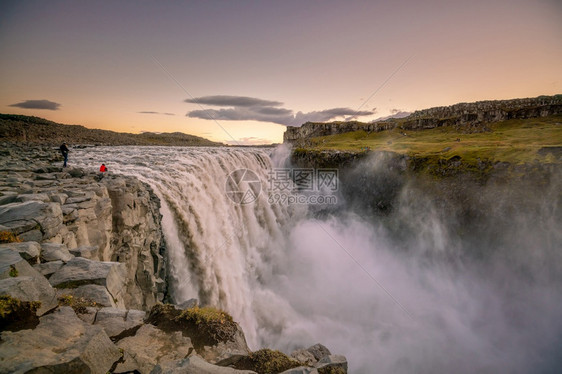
196, 364
55, 252
151, 346
27, 288
92, 292
332, 361
28, 250
116, 321
48, 268
61, 343
90, 252
80, 271
46, 215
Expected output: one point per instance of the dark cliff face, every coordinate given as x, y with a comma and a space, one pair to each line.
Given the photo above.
470, 116
482, 207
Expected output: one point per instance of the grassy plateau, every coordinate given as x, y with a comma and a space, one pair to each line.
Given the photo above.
515, 141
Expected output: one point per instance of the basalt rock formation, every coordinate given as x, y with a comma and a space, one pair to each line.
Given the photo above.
471, 117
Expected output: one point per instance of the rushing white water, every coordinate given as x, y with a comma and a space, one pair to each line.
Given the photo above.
292, 279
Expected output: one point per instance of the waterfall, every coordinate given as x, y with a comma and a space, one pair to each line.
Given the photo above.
401, 294
219, 251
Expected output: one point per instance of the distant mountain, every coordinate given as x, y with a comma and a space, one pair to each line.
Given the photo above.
26, 129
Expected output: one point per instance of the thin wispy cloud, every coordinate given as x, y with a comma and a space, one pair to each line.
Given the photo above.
160, 113
237, 101
243, 108
37, 104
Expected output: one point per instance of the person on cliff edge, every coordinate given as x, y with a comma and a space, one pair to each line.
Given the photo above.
103, 168
64, 151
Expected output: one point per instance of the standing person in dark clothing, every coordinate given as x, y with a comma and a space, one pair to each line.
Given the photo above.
64, 151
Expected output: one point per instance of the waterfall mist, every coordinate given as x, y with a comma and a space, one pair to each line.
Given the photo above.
428, 286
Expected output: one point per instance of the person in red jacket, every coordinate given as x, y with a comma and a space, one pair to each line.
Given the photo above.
103, 169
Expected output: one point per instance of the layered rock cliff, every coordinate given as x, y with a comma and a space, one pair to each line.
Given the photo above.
99, 218
470, 116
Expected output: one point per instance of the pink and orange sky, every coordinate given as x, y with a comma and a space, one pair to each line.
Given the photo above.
257, 66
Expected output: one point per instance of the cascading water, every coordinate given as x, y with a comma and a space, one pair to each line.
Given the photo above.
293, 278
219, 251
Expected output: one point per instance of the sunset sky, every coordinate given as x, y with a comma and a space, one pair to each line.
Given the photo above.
257, 66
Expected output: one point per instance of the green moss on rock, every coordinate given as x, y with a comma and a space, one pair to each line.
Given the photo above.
16, 314
211, 321
9, 237
79, 304
206, 326
332, 370
267, 361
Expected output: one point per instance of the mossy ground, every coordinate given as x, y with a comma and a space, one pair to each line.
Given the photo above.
267, 361
211, 321
8, 237
16, 314
332, 370
79, 304
205, 326
514, 141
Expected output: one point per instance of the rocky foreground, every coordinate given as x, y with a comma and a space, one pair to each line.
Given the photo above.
83, 283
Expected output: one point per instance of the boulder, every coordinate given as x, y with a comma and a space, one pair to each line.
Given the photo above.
8, 197
48, 268
76, 172
226, 351
195, 365
55, 252
20, 216
318, 351
115, 321
304, 357
59, 198
86, 252
61, 343
21, 281
80, 271
28, 250
31, 236
92, 292
332, 361
88, 315
34, 197
215, 348
30, 289
151, 346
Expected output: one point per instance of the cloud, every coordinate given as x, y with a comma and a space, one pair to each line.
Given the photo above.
244, 108
236, 101
149, 112
328, 114
37, 104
